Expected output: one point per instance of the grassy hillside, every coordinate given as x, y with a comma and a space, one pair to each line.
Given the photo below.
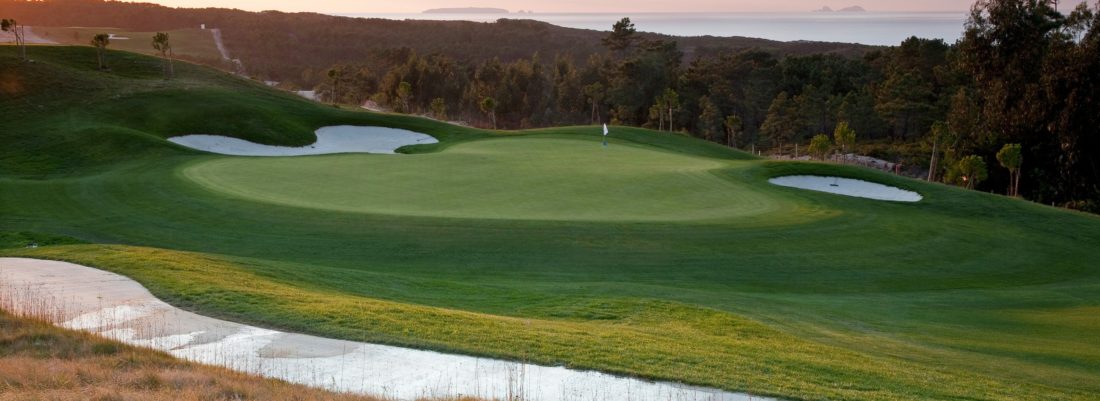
73, 119
280, 46
190, 43
659, 256
39, 361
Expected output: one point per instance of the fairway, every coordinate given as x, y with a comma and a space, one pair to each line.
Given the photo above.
660, 256
514, 178
189, 42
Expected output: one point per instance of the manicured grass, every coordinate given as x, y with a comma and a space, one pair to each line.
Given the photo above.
963, 295
623, 335
533, 178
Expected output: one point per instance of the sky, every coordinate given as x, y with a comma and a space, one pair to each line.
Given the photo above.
586, 6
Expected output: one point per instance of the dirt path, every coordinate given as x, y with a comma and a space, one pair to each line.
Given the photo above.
217, 34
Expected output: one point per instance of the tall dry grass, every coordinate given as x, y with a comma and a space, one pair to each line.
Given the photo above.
39, 361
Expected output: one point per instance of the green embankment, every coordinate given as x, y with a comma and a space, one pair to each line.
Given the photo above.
660, 256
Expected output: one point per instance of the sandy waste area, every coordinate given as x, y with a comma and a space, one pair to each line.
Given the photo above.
84, 298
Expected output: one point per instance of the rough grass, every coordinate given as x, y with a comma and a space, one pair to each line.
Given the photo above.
192, 43
963, 295
648, 338
42, 362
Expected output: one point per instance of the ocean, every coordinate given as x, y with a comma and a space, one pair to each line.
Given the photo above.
871, 28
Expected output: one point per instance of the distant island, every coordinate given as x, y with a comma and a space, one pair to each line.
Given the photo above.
852, 9
466, 10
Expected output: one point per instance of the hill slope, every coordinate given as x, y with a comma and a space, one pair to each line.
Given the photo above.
963, 295
280, 46
72, 117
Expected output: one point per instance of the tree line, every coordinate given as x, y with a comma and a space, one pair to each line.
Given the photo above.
1023, 79
1019, 89
278, 46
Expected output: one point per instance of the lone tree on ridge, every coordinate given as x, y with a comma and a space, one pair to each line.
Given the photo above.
844, 136
622, 35
10, 25
334, 76
1011, 157
734, 127
161, 44
972, 170
819, 146
938, 134
439, 108
404, 95
489, 107
100, 42
594, 93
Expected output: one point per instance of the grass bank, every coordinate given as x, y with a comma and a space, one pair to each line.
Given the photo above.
39, 361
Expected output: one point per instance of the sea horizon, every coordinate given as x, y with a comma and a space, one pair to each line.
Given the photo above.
869, 28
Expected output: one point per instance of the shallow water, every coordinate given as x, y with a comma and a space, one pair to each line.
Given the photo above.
81, 297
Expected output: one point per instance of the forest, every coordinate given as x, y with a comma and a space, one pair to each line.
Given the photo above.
1023, 74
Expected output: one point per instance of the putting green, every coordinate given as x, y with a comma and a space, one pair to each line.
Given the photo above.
519, 178
775, 291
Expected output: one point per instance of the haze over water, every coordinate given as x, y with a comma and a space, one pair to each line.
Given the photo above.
872, 28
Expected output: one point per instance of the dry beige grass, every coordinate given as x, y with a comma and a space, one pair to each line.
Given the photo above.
42, 362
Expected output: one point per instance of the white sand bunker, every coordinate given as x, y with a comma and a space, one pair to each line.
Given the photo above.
80, 297
848, 187
335, 139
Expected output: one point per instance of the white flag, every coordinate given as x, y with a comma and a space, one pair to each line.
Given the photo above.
605, 130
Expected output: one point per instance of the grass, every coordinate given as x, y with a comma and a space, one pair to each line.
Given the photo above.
544, 252
191, 43
535, 179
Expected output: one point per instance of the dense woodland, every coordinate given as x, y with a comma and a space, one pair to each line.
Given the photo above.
1023, 74
279, 46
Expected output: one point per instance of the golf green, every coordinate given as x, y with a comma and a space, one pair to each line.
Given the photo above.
661, 256
512, 178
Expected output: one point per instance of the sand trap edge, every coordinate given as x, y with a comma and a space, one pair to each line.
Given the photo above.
330, 140
847, 187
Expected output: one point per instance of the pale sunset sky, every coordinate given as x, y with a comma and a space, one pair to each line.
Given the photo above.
587, 6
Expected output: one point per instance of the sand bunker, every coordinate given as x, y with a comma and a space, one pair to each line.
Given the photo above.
336, 139
114, 306
311, 95
848, 187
